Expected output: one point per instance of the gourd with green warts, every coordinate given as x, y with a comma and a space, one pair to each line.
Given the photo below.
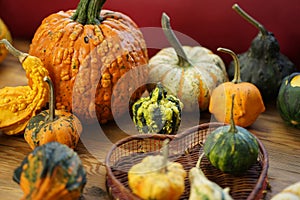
230, 148
53, 125
288, 100
263, 64
158, 113
157, 178
18, 104
51, 172
189, 73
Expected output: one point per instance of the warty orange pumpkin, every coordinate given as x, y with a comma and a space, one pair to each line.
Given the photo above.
189, 73
86, 52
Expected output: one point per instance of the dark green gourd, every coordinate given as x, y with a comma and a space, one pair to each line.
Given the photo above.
232, 149
288, 100
263, 64
50, 172
157, 113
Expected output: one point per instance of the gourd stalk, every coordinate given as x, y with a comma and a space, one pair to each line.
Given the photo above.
237, 73
88, 12
15, 52
246, 16
173, 40
165, 152
51, 99
232, 128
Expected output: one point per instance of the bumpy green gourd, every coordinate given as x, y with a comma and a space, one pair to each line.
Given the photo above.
263, 64
51, 171
288, 100
157, 113
232, 149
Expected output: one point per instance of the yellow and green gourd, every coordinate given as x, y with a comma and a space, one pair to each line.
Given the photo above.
157, 113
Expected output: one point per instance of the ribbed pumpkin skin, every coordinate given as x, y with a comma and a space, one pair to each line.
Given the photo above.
51, 172
4, 34
231, 152
288, 99
192, 84
86, 61
65, 129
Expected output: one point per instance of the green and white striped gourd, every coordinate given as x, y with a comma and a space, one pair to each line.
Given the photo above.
157, 113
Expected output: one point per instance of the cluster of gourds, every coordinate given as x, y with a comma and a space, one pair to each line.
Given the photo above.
77, 62
155, 177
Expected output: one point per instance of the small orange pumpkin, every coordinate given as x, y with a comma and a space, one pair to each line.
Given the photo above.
53, 125
248, 103
86, 52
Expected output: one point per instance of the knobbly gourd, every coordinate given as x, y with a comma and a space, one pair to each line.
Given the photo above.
263, 64
230, 148
86, 52
4, 34
292, 192
157, 113
189, 73
202, 188
19, 104
157, 178
288, 100
53, 125
51, 172
248, 102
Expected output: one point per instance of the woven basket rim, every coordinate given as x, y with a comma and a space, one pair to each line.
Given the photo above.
259, 186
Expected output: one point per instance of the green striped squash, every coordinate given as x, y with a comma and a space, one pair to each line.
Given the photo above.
288, 100
230, 148
157, 113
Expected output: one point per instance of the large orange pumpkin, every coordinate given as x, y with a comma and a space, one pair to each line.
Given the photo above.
86, 52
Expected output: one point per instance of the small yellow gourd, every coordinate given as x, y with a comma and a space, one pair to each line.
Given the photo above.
19, 104
4, 34
157, 178
291, 192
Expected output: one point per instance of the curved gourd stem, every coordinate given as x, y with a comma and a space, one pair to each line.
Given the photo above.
88, 12
246, 16
237, 73
165, 153
232, 128
51, 99
182, 57
15, 52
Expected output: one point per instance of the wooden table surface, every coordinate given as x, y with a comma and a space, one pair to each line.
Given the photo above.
281, 141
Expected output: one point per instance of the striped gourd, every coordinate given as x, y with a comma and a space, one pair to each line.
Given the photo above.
288, 100
157, 113
232, 149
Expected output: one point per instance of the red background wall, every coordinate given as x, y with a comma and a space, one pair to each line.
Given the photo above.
212, 23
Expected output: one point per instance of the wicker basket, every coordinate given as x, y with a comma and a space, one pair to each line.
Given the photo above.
185, 148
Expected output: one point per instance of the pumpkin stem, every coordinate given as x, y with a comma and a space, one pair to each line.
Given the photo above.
88, 12
237, 73
165, 153
173, 40
15, 52
232, 124
246, 16
51, 99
